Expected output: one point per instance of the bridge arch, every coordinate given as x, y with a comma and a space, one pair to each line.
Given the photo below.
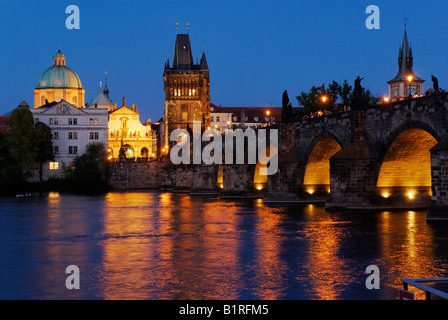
404, 162
316, 177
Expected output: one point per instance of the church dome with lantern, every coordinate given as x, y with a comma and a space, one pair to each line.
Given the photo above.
59, 82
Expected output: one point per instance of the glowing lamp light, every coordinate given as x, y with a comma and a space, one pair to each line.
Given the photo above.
259, 187
310, 190
221, 186
385, 194
324, 98
411, 194
216, 126
268, 113
410, 78
386, 99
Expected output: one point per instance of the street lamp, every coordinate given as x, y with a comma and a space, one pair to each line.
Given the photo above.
324, 99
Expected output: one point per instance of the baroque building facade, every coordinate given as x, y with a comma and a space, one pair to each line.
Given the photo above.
187, 90
128, 137
72, 129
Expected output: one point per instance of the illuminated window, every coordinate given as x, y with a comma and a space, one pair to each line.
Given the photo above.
56, 150
94, 136
54, 165
184, 111
189, 92
54, 121
73, 135
71, 165
54, 135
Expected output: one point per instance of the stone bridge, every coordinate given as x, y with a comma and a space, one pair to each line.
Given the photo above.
389, 156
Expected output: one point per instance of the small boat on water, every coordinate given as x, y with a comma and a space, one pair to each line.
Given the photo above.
21, 195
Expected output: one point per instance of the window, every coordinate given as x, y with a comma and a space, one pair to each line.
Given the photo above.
54, 135
189, 92
54, 121
217, 118
54, 165
212, 119
42, 100
72, 150
184, 110
94, 136
71, 165
73, 121
235, 119
56, 150
93, 121
73, 135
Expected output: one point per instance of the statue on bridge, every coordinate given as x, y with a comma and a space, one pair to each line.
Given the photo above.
357, 93
287, 113
435, 83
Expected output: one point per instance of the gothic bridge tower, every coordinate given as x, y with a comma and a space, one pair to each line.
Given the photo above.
187, 89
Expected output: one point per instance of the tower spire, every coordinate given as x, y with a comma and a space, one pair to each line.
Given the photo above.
106, 89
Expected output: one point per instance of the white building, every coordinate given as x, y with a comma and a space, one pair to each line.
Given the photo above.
72, 129
229, 118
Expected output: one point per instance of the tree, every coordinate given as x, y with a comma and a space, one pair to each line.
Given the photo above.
19, 136
43, 145
88, 175
327, 98
9, 171
344, 93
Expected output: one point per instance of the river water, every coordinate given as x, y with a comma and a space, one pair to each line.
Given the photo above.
151, 245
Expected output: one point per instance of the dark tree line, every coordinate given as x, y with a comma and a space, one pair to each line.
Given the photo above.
333, 97
25, 144
28, 144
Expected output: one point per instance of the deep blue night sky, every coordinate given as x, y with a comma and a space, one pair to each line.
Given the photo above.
255, 49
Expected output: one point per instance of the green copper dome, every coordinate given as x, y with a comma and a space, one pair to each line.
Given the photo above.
59, 75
